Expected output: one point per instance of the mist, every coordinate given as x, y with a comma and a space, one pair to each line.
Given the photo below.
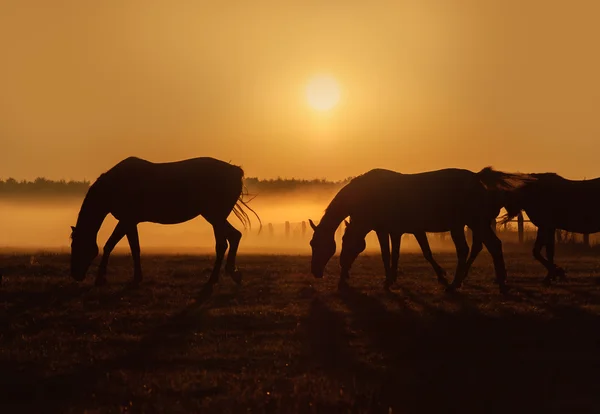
42, 223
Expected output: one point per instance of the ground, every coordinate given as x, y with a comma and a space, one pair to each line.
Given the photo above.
286, 342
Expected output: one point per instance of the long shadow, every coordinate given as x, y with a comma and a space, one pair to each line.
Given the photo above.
55, 296
25, 389
24, 303
470, 362
327, 342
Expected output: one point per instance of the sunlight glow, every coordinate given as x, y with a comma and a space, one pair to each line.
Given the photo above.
323, 92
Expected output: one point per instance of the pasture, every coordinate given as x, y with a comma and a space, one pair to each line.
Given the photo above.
286, 342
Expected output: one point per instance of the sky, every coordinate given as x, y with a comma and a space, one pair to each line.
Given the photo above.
424, 85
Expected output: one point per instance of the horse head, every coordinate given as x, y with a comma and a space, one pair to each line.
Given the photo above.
323, 248
83, 251
353, 244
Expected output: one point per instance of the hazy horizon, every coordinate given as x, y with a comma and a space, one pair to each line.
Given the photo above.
422, 86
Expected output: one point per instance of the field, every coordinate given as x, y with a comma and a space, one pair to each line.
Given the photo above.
286, 342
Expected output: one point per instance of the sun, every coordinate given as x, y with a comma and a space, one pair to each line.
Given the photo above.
323, 92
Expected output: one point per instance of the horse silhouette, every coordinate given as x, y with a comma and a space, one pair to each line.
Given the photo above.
434, 201
391, 258
552, 202
136, 190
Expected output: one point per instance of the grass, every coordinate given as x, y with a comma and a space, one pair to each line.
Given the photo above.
285, 342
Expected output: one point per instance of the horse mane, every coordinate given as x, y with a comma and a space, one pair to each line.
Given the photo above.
340, 200
503, 181
92, 192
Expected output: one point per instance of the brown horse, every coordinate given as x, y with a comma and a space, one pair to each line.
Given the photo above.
136, 191
553, 202
391, 256
435, 201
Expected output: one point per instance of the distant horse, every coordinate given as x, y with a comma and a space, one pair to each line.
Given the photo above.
435, 201
136, 190
391, 259
553, 202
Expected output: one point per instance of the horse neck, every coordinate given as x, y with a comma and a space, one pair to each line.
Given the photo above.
335, 214
93, 212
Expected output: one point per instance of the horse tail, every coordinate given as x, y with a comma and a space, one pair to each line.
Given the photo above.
239, 212
241, 204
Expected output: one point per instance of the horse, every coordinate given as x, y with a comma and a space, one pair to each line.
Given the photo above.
434, 201
390, 259
136, 190
552, 202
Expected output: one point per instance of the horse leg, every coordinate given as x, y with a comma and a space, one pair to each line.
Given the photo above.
220, 231
494, 246
384, 244
233, 236
541, 239
462, 251
349, 254
396, 239
550, 243
476, 248
116, 236
426, 249
134, 244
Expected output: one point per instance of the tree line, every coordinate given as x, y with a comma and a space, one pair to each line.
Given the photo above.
44, 187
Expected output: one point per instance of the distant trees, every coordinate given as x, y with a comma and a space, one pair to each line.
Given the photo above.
44, 187
283, 185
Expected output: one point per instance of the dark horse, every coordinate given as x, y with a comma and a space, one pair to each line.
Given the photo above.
553, 202
391, 257
136, 191
436, 201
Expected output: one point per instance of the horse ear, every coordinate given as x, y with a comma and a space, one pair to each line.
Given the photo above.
312, 224
72, 228
346, 222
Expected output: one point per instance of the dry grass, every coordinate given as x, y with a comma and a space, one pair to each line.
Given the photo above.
285, 342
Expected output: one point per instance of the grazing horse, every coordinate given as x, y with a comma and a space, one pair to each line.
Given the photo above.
553, 202
136, 190
390, 259
435, 201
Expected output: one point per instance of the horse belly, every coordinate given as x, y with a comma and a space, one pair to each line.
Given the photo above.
157, 212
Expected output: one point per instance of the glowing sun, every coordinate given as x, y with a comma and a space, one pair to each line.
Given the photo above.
322, 92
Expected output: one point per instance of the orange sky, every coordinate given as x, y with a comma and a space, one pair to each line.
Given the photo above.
425, 85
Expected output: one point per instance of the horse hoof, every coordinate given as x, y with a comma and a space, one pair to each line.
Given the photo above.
387, 285
504, 289
547, 281
236, 276
343, 285
560, 274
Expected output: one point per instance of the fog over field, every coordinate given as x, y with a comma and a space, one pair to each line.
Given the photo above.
44, 223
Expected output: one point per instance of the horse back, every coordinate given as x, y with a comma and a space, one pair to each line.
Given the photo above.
171, 192
430, 201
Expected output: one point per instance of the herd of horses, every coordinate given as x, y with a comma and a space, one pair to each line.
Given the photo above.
384, 201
